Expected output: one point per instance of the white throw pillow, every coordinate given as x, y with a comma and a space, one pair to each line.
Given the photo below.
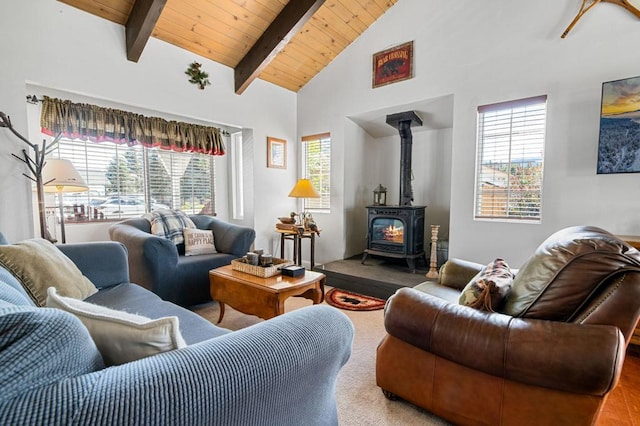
198, 241
120, 336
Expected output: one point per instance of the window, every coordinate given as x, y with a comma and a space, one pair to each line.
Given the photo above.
130, 181
237, 182
510, 160
316, 166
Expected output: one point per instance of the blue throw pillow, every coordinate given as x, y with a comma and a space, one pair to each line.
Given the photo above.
12, 291
40, 347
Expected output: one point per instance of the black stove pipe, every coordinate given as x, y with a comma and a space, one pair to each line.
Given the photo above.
403, 121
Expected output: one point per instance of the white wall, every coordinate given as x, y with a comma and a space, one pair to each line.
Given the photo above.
485, 52
50, 44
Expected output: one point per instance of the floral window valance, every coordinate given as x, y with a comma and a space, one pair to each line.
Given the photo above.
98, 124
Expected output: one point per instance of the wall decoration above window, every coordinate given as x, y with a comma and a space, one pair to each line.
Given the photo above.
619, 142
97, 124
276, 153
393, 65
632, 6
197, 76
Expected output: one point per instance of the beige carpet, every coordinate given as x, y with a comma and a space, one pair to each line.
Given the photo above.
360, 401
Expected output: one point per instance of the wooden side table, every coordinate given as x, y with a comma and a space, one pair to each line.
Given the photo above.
293, 235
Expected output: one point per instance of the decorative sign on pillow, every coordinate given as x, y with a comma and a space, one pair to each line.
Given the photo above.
489, 287
198, 241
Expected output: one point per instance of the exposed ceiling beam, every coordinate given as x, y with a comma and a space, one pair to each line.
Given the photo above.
294, 15
142, 20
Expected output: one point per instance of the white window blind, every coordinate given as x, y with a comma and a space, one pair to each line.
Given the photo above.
316, 166
510, 160
130, 181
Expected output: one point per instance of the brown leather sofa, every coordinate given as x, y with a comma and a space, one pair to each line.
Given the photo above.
550, 356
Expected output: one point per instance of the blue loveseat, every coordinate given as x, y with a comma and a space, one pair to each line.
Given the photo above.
161, 266
282, 371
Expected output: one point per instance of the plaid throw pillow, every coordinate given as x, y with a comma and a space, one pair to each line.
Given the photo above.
169, 224
487, 290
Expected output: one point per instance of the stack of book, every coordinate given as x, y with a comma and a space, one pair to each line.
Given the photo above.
286, 226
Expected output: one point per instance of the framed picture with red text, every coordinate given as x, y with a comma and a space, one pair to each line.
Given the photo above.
393, 65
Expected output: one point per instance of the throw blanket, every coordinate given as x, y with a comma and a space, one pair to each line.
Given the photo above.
169, 224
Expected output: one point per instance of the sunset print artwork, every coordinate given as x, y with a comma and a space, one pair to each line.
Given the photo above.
619, 144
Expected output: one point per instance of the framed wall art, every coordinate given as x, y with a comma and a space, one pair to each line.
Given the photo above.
619, 141
276, 153
393, 65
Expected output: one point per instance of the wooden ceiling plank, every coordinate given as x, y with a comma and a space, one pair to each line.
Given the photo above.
371, 7
358, 12
239, 15
229, 41
304, 53
167, 30
327, 19
142, 20
114, 11
319, 25
268, 9
319, 37
283, 80
347, 17
286, 59
194, 46
282, 29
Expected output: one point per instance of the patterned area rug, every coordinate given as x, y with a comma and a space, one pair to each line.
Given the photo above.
352, 301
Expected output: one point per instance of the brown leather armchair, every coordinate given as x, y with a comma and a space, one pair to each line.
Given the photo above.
550, 357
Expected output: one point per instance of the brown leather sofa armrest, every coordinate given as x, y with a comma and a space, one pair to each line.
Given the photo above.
456, 273
578, 358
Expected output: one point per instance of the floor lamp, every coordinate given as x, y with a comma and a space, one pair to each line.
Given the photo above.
60, 176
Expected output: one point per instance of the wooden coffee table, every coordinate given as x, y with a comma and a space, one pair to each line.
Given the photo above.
263, 297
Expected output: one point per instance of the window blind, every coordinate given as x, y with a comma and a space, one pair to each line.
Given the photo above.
316, 166
130, 181
510, 160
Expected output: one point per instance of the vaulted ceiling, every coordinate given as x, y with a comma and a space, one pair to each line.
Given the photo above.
284, 42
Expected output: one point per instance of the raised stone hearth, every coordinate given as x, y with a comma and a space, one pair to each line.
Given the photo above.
378, 277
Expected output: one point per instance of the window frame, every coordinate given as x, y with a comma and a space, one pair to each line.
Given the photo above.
321, 181
526, 134
79, 152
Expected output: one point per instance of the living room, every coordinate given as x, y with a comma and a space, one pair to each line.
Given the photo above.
498, 53
466, 54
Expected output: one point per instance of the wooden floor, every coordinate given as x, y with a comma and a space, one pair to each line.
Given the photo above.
623, 404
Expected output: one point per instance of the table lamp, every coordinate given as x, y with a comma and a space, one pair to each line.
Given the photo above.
60, 176
303, 189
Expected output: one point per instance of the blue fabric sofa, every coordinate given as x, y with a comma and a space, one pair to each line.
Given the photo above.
161, 266
282, 371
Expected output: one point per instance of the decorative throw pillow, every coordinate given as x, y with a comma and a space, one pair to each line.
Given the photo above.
38, 264
120, 336
169, 224
40, 348
198, 241
488, 288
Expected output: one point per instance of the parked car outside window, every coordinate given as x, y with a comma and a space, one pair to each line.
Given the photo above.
122, 207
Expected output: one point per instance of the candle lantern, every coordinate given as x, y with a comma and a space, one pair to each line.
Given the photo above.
380, 196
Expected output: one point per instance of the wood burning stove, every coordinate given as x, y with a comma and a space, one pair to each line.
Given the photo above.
398, 231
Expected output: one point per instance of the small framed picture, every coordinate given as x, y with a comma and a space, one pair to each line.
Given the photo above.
276, 153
